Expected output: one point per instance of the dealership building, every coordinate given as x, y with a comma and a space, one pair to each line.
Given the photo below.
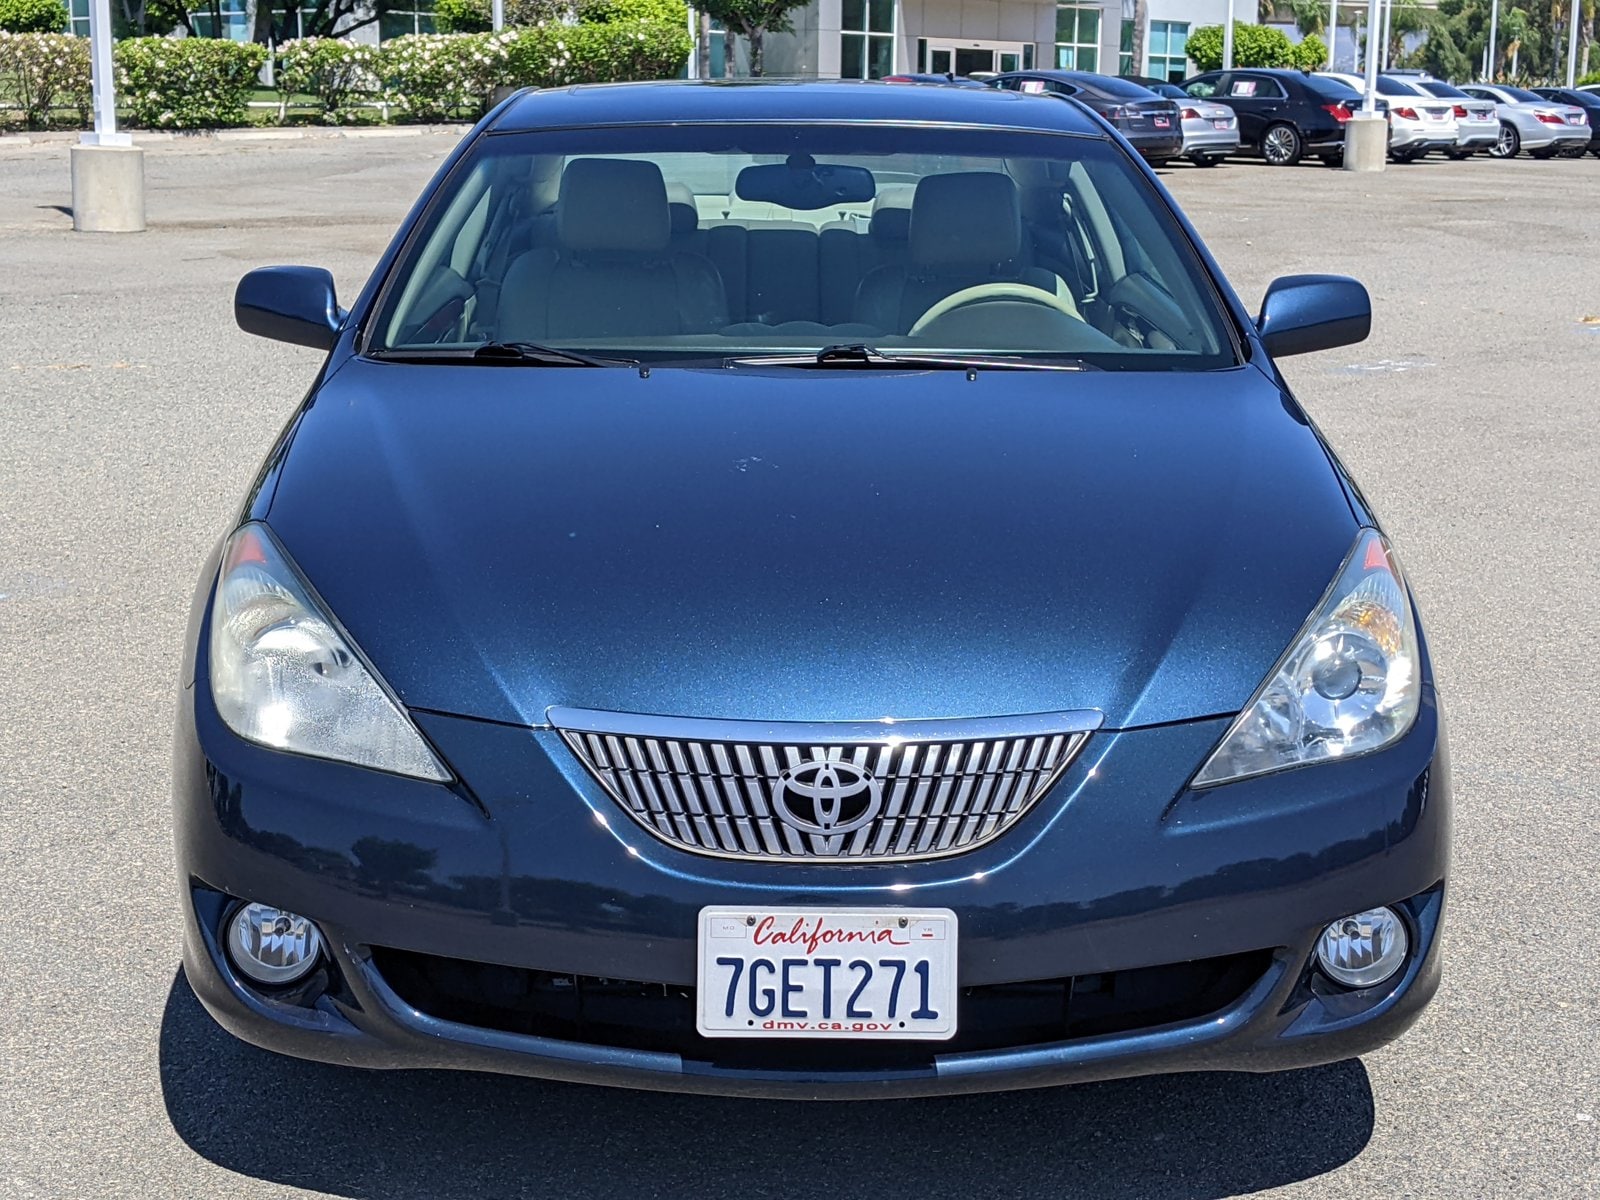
867, 39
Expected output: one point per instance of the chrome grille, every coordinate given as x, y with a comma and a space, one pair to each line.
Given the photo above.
875, 791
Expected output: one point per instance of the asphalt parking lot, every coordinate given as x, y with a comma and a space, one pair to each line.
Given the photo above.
133, 414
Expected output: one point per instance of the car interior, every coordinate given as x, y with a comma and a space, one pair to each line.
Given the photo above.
738, 253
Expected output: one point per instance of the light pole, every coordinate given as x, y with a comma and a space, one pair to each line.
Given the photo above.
1333, 35
1227, 36
1494, 30
107, 169
497, 15
1388, 17
1572, 44
1366, 135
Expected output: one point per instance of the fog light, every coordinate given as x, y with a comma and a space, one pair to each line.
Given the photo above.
1364, 949
271, 945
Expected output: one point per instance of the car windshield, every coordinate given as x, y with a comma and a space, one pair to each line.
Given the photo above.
1443, 90
675, 244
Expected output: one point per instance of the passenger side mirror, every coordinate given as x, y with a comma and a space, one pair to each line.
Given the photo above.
289, 304
1302, 313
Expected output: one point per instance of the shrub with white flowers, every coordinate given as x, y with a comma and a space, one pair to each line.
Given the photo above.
187, 83
340, 74
40, 72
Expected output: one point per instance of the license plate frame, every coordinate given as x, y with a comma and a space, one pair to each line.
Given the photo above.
1220, 123
795, 995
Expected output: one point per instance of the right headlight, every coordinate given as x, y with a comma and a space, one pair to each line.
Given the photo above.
283, 674
1350, 682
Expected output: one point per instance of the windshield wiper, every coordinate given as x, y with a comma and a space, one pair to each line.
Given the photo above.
534, 353
860, 355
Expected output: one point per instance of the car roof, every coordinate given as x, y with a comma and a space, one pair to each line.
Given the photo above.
782, 101
1110, 85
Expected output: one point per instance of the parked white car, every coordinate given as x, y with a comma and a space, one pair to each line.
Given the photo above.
1530, 122
1417, 124
1477, 121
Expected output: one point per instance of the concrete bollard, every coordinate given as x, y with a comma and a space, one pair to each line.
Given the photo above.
107, 189
1366, 143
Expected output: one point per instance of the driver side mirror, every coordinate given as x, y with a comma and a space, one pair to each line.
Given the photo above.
289, 304
1302, 313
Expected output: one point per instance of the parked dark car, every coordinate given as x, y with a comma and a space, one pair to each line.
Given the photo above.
690, 637
1588, 101
1151, 123
1284, 115
948, 79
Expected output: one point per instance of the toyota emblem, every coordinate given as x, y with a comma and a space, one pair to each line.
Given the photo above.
827, 797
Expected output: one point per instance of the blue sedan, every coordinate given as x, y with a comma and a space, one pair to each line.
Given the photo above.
806, 590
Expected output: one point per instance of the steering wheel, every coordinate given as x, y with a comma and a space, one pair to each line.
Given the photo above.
995, 291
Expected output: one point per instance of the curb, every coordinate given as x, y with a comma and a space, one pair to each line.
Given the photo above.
151, 137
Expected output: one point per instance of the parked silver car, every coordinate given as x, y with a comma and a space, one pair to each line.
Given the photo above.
1210, 129
1477, 121
1530, 122
1416, 124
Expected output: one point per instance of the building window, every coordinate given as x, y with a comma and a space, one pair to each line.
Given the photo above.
409, 16
1125, 49
222, 18
1169, 57
79, 10
1077, 38
866, 40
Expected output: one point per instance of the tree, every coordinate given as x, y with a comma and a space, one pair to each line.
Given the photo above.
1141, 18
753, 20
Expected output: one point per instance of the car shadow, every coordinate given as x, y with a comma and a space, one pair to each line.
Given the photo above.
441, 1134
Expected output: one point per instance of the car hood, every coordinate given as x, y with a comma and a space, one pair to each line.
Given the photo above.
783, 544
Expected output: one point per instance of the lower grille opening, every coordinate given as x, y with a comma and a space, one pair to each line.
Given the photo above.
635, 1015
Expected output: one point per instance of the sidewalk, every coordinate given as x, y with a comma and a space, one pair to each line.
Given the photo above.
154, 138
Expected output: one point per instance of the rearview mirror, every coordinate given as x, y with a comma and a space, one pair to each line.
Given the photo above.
1302, 313
289, 304
804, 184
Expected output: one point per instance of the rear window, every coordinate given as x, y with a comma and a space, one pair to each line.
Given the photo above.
1329, 89
1522, 94
1124, 88
1443, 90
678, 243
1393, 87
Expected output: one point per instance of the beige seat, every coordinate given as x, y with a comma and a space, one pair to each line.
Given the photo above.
613, 271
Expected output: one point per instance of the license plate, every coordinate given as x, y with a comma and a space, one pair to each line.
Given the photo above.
1163, 123
854, 973
1221, 123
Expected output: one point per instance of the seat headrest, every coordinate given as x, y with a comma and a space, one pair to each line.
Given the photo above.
681, 205
967, 218
891, 214
613, 204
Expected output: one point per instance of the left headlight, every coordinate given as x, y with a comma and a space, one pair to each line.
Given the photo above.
284, 675
1349, 684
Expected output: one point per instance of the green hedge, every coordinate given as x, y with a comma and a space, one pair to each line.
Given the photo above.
187, 83
40, 72
206, 83
1255, 46
33, 16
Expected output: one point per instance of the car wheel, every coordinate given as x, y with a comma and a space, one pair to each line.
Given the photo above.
1405, 156
1595, 152
1510, 142
1332, 160
1280, 145
1206, 160
1548, 152
1457, 155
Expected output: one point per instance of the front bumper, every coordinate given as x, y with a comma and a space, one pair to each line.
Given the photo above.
1118, 869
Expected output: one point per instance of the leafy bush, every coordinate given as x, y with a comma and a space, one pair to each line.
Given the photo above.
338, 73
33, 16
463, 16
434, 76
608, 12
558, 55
187, 83
1309, 54
41, 71
1253, 46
